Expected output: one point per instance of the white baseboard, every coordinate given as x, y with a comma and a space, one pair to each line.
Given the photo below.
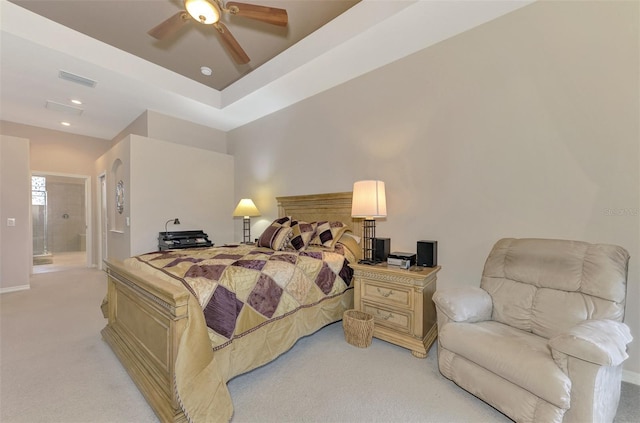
14, 288
631, 377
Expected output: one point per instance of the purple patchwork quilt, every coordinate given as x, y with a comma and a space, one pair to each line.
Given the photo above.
241, 288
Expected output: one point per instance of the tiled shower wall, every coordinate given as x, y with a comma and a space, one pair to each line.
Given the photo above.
65, 216
39, 235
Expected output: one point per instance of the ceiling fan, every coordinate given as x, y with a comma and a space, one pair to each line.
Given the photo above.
208, 12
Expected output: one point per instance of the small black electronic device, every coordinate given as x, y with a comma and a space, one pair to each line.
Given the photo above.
381, 246
405, 260
183, 239
427, 253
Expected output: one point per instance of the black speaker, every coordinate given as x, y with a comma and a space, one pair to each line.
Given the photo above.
382, 248
427, 253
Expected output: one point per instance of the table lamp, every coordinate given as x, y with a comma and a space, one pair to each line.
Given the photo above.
246, 209
369, 202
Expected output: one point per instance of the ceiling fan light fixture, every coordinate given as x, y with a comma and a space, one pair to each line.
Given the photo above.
203, 11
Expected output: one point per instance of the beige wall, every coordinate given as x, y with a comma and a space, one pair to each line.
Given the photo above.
140, 126
524, 127
57, 151
167, 128
15, 201
197, 188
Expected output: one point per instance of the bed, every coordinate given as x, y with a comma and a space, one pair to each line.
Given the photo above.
175, 352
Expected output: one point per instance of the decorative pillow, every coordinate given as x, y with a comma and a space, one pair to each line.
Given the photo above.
328, 233
351, 244
301, 234
276, 235
282, 221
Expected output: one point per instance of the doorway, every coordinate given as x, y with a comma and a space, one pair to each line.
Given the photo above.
60, 218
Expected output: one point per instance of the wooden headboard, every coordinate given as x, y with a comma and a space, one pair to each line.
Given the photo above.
317, 207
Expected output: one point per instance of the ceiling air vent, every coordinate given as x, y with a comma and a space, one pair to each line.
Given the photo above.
59, 107
77, 79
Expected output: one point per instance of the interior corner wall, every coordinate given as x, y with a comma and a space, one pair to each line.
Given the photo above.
140, 126
526, 126
197, 188
15, 204
58, 151
168, 128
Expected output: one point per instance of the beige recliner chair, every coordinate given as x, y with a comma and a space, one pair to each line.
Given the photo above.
542, 338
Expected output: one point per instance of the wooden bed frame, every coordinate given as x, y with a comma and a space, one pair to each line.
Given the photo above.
147, 316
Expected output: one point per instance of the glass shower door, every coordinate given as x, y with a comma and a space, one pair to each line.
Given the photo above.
41, 254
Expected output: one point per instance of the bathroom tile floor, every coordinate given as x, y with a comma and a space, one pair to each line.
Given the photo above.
63, 261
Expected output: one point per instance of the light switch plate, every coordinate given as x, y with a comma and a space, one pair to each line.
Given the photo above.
11, 221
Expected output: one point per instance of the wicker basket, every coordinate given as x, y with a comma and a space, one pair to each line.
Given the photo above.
358, 328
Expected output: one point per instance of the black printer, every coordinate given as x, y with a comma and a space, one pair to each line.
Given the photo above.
183, 239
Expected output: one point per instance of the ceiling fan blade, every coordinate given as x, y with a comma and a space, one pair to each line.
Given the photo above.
232, 45
169, 26
266, 14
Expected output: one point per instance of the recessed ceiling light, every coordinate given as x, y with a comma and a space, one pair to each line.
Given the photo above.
76, 101
65, 124
206, 71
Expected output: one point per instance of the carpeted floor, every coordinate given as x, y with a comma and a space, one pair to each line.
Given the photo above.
55, 368
54, 365
382, 383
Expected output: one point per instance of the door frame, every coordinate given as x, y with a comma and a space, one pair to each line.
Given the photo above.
102, 220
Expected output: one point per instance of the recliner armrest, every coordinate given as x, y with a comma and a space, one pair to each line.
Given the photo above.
603, 342
468, 304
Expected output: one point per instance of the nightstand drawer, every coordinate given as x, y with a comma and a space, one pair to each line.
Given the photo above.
398, 320
387, 294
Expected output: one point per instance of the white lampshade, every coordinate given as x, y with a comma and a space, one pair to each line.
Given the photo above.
369, 200
203, 11
246, 208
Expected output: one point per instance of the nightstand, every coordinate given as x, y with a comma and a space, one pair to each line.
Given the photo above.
400, 302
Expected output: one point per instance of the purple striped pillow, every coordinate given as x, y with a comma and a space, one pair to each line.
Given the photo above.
276, 235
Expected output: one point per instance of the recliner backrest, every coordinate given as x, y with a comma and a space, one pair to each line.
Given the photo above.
547, 286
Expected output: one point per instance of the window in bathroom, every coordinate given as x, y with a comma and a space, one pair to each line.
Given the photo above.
38, 190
